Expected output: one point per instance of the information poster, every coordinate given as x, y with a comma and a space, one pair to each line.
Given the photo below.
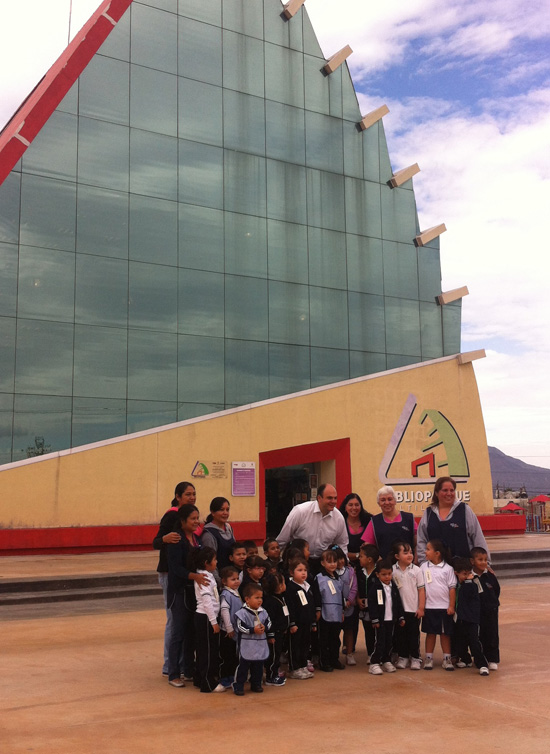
210, 470
243, 478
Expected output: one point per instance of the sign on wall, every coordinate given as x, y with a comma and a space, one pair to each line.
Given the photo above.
243, 478
210, 470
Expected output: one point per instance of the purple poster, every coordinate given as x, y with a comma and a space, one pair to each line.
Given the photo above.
243, 478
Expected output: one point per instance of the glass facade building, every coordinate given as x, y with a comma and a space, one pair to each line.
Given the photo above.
199, 225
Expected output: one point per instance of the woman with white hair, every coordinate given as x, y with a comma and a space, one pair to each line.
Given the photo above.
391, 525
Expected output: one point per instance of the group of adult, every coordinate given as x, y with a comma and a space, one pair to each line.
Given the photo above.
321, 522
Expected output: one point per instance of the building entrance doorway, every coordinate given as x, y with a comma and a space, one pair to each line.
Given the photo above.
285, 487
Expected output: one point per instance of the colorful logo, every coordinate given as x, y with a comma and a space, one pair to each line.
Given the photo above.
200, 470
429, 448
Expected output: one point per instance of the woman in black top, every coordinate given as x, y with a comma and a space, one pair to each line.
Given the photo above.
357, 519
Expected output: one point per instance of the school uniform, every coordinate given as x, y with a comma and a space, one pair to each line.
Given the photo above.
409, 582
363, 580
208, 642
230, 604
301, 606
468, 608
488, 620
388, 532
277, 609
253, 647
439, 579
385, 611
328, 592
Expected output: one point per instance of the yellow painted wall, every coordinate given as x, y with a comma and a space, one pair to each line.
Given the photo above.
131, 480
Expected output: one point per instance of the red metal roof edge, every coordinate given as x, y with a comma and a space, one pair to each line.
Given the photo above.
33, 114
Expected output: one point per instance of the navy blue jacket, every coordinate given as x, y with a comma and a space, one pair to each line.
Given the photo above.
377, 611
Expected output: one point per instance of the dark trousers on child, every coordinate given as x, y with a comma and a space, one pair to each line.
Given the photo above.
274, 660
256, 669
407, 637
329, 643
467, 635
488, 634
298, 647
208, 654
383, 643
229, 657
370, 636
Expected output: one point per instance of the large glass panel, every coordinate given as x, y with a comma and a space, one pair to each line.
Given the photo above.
8, 279
335, 91
148, 414
366, 323
46, 284
42, 424
325, 200
153, 297
324, 145
361, 363
191, 410
285, 132
244, 183
365, 264
170, 5
288, 313
245, 245
7, 353
397, 361
327, 258
201, 303
210, 11
287, 252
275, 27
371, 159
44, 358
328, 366
200, 51
102, 222
200, 369
153, 230
117, 44
316, 85
153, 100
243, 122
6, 422
154, 39
103, 154
289, 369
100, 356
48, 210
402, 326
429, 273
400, 270
244, 16
152, 366
200, 174
53, 151
243, 63
284, 75
245, 307
329, 318
295, 35
353, 150
398, 214
101, 291
201, 238
200, 112
97, 419
350, 106
10, 193
105, 90
153, 165
311, 45
363, 207
384, 155
69, 103
431, 330
286, 192
451, 329
246, 372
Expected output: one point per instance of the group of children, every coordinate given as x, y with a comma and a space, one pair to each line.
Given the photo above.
257, 610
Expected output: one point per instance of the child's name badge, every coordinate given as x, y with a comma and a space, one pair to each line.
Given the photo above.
398, 581
331, 587
380, 594
428, 576
479, 587
285, 611
303, 598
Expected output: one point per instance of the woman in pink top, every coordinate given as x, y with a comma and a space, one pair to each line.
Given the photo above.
391, 525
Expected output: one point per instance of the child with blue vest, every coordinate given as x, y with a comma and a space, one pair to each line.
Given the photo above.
410, 582
489, 602
328, 591
254, 632
230, 604
347, 575
386, 612
275, 605
468, 607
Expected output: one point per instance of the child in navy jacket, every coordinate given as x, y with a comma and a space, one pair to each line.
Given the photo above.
301, 606
254, 632
489, 599
328, 591
468, 608
275, 605
385, 611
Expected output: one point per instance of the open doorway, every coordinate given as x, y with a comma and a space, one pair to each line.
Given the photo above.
285, 487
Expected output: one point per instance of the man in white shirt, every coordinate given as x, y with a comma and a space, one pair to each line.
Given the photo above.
318, 522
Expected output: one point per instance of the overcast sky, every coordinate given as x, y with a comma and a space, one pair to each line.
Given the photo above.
468, 87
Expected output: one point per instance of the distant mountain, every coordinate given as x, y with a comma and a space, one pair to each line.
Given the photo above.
513, 473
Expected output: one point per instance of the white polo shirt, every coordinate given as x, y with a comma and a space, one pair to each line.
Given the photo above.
438, 580
408, 582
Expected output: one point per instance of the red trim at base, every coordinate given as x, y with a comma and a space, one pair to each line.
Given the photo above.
501, 524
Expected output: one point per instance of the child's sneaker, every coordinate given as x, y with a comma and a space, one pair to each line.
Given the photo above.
220, 688
376, 670
462, 664
484, 671
310, 667
493, 666
177, 682
428, 663
389, 667
402, 663
277, 681
416, 663
447, 664
350, 660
